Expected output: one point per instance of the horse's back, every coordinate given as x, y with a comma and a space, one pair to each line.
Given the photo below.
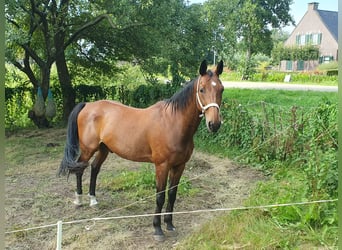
124, 130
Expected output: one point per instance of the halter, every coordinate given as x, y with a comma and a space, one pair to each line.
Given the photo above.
204, 108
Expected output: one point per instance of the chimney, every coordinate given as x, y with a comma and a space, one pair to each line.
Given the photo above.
313, 6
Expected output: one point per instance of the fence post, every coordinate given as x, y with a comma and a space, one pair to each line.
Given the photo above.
59, 235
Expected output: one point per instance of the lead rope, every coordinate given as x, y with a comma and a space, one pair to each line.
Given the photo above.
204, 108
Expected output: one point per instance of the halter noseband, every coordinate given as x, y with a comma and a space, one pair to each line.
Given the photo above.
204, 108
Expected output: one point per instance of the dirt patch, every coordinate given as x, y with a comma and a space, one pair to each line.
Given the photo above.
35, 196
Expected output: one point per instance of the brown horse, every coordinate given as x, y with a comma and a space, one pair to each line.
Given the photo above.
161, 134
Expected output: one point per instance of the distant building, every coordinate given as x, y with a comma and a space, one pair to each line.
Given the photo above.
317, 27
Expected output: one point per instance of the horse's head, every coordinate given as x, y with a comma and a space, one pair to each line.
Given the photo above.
209, 91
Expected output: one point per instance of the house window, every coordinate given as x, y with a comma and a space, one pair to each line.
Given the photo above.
314, 39
307, 39
288, 65
325, 59
317, 38
300, 65
302, 40
297, 39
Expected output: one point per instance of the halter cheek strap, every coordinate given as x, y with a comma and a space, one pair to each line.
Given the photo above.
204, 108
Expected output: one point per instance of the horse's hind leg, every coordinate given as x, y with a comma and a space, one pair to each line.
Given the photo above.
95, 169
78, 194
174, 177
79, 174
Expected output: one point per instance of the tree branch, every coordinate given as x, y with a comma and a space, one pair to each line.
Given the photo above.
84, 27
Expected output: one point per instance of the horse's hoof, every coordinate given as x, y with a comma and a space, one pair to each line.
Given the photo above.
170, 228
78, 200
171, 231
159, 237
93, 201
77, 204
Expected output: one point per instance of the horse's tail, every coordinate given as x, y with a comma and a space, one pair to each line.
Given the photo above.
69, 163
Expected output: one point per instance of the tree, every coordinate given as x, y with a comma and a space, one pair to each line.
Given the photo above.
41, 32
222, 16
38, 34
246, 25
256, 19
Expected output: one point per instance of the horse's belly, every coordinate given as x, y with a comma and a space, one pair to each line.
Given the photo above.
134, 155
130, 149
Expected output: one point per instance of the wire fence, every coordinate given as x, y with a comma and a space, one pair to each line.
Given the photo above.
60, 224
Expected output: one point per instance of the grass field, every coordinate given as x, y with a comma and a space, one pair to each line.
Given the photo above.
279, 228
304, 99
35, 196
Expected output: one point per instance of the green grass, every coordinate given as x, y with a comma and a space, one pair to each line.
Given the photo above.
305, 99
240, 230
140, 183
292, 227
278, 99
271, 228
310, 78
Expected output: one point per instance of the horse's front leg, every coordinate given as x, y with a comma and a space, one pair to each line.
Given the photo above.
161, 178
174, 177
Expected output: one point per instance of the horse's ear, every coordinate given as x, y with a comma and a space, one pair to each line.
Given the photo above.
219, 68
203, 68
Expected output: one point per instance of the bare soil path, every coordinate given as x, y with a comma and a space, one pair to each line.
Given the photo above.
35, 196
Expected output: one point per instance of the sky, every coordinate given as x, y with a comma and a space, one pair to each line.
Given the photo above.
299, 7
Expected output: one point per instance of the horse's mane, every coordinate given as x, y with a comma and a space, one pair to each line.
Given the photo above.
180, 100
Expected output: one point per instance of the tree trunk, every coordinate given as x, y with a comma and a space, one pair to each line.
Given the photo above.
45, 76
40, 120
247, 71
68, 91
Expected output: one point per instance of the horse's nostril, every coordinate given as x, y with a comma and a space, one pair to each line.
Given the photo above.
211, 126
216, 126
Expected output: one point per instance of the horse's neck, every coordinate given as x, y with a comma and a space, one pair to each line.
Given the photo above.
191, 118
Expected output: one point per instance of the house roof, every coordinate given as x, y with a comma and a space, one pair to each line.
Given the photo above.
330, 19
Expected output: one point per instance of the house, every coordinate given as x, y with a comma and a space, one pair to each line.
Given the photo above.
318, 28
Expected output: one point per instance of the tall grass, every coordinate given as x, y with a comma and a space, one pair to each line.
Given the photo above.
292, 138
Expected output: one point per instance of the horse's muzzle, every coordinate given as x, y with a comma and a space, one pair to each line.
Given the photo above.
213, 126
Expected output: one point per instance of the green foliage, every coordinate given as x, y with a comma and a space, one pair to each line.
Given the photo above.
270, 132
331, 68
328, 66
246, 67
128, 34
16, 108
128, 86
305, 53
315, 77
146, 95
296, 146
320, 167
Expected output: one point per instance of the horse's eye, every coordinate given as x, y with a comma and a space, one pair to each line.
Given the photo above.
202, 90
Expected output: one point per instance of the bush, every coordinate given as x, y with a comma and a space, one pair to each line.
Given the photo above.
328, 66
296, 77
273, 133
18, 103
